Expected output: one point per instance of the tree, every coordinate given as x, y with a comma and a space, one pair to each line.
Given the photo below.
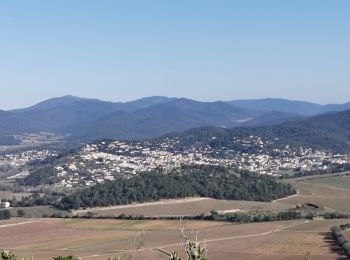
21, 213
5, 214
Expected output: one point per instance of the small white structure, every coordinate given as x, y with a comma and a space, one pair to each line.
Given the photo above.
5, 205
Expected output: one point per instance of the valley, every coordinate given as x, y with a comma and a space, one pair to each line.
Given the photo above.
175, 130
278, 187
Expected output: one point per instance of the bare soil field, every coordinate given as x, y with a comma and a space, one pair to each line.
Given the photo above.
100, 239
186, 207
324, 192
339, 182
347, 233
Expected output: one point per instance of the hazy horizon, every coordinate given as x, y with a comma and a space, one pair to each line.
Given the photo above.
202, 50
109, 100
37, 101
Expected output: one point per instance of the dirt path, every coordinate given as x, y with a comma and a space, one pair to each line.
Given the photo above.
161, 249
295, 195
244, 236
18, 224
161, 202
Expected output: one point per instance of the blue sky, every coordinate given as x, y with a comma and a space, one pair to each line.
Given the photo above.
200, 49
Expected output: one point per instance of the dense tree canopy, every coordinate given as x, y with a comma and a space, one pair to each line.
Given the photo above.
189, 181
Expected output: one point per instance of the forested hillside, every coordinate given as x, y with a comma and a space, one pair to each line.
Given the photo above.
328, 132
195, 181
89, 119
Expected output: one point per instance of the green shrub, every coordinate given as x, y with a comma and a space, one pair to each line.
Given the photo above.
21, 213
70, 257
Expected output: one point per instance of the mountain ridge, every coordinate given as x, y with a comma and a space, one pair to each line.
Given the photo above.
327, 132
89, 119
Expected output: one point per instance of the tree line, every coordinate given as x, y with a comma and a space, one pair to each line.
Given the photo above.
338, 233
187, 181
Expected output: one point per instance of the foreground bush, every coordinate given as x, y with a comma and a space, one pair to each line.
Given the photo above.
193, 251
70, 257
7, 255
340, 237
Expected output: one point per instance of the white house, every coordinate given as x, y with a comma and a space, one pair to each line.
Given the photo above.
5, 205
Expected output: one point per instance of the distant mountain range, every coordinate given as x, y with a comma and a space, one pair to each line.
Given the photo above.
289, 106
89, 119
329, 131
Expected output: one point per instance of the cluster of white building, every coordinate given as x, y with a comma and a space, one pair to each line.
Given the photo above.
23, 157
4, 204
97, 163
18, 161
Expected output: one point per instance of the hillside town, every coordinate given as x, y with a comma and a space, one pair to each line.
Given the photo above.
23, 157
103, 161
17, 162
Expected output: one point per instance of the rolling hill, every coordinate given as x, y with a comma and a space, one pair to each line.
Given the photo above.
335, 107
328, 132
59, 115
289, 106
173, 116
90, 119
280, 105
273, 118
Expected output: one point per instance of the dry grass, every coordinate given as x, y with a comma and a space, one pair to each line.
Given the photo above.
339, 182
187, 207
99, 239
347, 233
328, 195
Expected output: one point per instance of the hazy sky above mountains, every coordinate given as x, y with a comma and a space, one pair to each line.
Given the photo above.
205, 50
